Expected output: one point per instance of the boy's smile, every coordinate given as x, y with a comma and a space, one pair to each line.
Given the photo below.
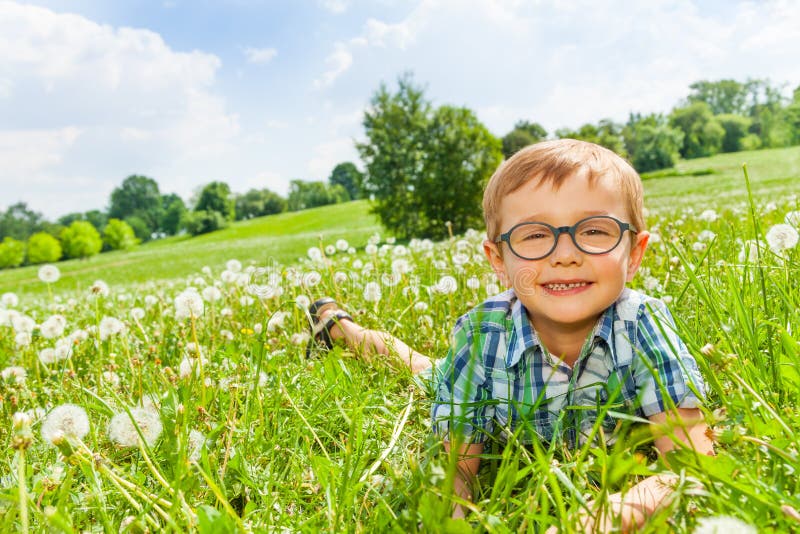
567, 291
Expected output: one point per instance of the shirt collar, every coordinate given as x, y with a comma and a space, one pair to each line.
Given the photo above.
523, 336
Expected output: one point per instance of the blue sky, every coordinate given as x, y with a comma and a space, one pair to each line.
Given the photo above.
257, 93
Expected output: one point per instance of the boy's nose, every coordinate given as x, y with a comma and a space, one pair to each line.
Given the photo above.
565, 252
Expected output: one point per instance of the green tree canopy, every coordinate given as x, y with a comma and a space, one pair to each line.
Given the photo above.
203, 222
217, 197
173, 211
257, 203
118, 235
348, 176
12, 253
137, 196
524, 133
606, 133
650, 142
43, 248
702, 134
736, 129
80, 240
721, 96
20, 222
304, 195
419, 162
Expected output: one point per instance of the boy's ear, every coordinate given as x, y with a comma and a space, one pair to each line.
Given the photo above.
637, 253
493, 254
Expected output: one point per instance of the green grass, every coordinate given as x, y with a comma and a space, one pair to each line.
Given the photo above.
278, 238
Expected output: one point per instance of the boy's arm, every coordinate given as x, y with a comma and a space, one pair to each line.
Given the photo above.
643, 500
466, 470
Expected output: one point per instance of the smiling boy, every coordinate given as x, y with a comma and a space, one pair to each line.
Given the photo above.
565, 233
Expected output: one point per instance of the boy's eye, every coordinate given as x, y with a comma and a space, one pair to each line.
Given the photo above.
594, 231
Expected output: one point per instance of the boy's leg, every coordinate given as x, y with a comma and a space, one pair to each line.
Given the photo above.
371, 342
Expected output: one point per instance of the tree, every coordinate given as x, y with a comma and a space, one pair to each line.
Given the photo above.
702, 134
304, 195
173, 210
81, 240
524, 133
203, 222
721, 96
137, 196
43, 248
650, 142
12, 253
98, 219
461, 157
118, 235
736, 129
19, 222
257, 203
607, 133
140, 228
217, 197
348, 176
408, 168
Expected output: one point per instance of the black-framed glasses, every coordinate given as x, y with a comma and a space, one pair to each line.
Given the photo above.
593, 235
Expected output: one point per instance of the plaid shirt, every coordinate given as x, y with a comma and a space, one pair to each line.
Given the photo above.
498, 373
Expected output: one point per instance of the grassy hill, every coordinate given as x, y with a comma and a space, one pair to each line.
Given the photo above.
282, 238
287, 236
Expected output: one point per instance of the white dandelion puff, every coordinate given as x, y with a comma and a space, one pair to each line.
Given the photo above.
23, 339
706, 236
14, 374
708, 216
67, 420
49, 274
749, 252
782, 237
9, 300
122, 431
339, 277
22, 323
53, 326
110, 326
233, 266
137, 313
446, 285
302, 302
227, 276
150, 301
371, 249
330, 250
401, 266
421, 306
314, 254
100, 288
473, 282
342, 245
47, 356
793, 218
188, 304
372, 292
211, 294
196, 444
492, 289
311, 279
723, 524
391, 279
300, 338
276, 322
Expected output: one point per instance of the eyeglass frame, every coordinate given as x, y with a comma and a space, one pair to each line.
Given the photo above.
570, 230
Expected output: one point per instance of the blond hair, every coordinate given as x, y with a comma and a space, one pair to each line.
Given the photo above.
554, 162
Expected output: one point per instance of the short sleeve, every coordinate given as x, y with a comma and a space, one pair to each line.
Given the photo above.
662, 366
462, 398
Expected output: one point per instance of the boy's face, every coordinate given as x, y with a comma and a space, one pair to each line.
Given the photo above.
568, 290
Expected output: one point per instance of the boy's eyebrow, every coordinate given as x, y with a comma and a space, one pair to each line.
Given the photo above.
537, 217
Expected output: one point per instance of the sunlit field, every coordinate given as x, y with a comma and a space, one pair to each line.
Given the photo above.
186, 402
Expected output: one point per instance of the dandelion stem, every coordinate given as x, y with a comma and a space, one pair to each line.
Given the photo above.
23, 490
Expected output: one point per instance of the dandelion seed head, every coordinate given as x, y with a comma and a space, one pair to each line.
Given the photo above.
782, 237
793, 218
723, 524
342, 244
357, 264
14, 374
401, 266
22, 323
247, 300
227, 276
121, 429
47, 356
446, 285
9, 300
314, 254
708, 216
311, 279
473, 282
372, 292
211, 294
137, 313
53, 326
302, 302
330, 250
100, 288
492, 289
371, 249
421, 306
68, 420
339, 277
196, 444
706, 236
49, 274
188, 304
391, 279
276, 322
110, 326
23, 339
110, 377
233, 266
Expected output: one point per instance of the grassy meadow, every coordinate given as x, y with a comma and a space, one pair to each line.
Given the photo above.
202, 343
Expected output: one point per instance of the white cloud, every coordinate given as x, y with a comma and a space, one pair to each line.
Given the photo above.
335, 6
338, 62
260, 55
89, 102
329, 154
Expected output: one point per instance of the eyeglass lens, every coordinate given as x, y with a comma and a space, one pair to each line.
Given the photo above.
595, 235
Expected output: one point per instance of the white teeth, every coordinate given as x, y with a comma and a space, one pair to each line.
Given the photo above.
564, 287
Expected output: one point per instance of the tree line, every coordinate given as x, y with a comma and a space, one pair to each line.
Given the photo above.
139, 212
425, 169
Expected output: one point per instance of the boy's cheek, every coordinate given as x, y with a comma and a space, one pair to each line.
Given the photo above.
524, 280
